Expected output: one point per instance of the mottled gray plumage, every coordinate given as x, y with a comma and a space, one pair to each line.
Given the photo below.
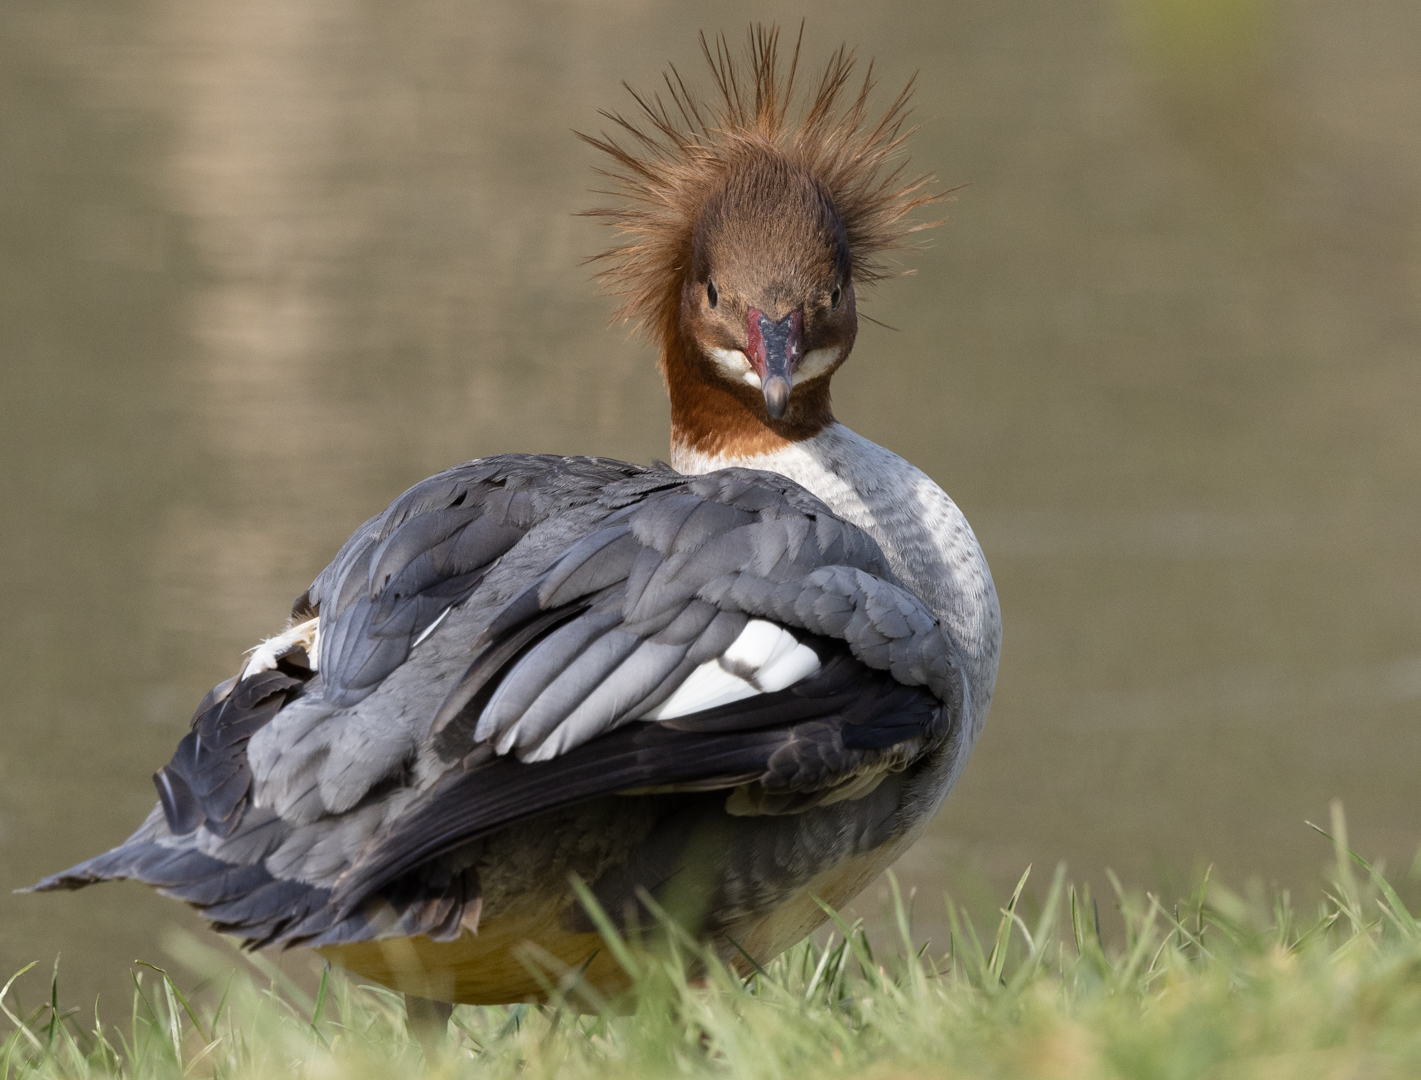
741, 687
378, 794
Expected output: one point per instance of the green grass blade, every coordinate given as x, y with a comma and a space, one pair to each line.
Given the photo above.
1392, 905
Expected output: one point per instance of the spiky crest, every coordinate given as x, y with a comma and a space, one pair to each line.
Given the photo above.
676, 150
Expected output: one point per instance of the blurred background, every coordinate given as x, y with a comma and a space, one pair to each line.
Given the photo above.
265, 263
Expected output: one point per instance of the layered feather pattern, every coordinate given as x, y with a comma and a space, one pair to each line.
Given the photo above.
496, 646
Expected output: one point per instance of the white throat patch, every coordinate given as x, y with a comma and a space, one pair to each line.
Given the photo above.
736, 366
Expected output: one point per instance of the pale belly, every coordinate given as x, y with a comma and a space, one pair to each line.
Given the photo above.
510, 959
518, 957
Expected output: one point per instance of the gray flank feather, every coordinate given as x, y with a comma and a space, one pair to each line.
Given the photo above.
575, 596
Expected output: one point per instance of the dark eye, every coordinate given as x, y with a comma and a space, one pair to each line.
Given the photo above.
834, 298
711, 294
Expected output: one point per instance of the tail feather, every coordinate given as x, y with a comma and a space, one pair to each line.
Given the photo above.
247, 901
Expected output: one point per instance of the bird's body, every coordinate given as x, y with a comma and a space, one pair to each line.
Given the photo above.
738, 686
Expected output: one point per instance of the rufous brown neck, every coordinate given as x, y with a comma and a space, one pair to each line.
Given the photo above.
712, 417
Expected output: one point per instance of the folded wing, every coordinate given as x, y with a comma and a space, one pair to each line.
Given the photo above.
521, 635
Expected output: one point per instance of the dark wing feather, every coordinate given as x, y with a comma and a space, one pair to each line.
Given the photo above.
208, 780
627, 579
678, 570
797, 739
666, 584
429, 551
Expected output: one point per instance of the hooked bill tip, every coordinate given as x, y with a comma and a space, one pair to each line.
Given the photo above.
776, 396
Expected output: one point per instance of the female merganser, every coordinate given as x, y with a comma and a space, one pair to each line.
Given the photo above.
739, 685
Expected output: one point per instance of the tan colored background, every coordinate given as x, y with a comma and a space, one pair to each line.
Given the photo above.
264, 263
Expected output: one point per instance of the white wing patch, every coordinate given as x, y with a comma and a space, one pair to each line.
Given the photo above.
430, 628
307, 635
763, 659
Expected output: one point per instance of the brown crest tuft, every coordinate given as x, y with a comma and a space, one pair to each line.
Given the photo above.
683, 146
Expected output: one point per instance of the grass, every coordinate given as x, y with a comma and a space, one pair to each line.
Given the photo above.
1218, 985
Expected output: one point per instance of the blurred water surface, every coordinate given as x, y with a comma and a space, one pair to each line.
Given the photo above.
264, 264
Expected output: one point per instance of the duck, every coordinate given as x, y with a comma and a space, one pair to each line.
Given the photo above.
540, 699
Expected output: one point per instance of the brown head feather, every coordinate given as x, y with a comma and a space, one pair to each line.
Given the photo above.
677, 149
